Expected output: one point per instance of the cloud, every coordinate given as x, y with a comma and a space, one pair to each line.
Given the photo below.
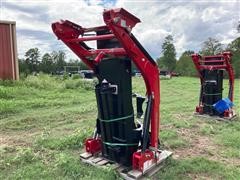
34, 19
190, 23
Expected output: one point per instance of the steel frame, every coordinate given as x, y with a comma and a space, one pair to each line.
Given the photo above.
223, 64
120, 23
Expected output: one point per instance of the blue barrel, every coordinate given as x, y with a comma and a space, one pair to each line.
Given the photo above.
223, 105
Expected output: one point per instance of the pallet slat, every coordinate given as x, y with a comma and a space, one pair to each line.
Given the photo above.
216, 117
135, 174
124, 172
97, 159
86, 155
102, 162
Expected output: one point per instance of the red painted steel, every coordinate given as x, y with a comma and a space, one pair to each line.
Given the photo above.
120, 23
93, 38
8, 51
222, 62
140, 158
93, 146
226, 65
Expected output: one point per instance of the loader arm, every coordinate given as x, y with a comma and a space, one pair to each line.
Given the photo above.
121, 23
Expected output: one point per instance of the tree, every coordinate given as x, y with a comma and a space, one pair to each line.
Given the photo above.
238, 26
23, 67
58, 58
168, 59
61, 60
160, 63
32, 59
234, 47
185, 65
211, 47
83, 66
236, 64
47, 64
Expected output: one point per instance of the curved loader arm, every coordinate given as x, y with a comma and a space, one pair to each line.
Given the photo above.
120, 22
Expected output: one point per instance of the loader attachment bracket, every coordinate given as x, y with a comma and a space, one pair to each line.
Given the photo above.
116, 48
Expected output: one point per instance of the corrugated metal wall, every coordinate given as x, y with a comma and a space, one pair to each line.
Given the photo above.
8, 51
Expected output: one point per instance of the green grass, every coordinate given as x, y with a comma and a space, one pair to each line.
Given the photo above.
73, 141
170, 139
198, 168
44, 121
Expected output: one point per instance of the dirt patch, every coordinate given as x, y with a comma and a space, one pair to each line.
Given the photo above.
201, 146
200, 176
16, 140
198, 145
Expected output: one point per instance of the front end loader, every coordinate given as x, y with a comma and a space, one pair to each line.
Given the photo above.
118, 137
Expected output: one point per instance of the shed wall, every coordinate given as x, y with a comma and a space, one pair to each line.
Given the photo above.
8, 51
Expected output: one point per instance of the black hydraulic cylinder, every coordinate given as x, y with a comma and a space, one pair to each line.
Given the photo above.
146, 124
140, 101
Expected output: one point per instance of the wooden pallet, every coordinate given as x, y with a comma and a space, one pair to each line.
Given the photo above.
226, 119
124, 172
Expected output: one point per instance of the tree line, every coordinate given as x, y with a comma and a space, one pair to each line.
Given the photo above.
54, 62
50, 63
184, 64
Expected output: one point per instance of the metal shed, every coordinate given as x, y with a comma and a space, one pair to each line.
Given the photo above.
8, 51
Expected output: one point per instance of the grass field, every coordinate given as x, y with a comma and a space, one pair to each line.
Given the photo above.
44, 120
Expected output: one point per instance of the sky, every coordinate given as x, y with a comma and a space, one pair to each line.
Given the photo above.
189, 22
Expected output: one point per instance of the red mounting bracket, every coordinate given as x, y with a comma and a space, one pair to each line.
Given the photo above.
93, 146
